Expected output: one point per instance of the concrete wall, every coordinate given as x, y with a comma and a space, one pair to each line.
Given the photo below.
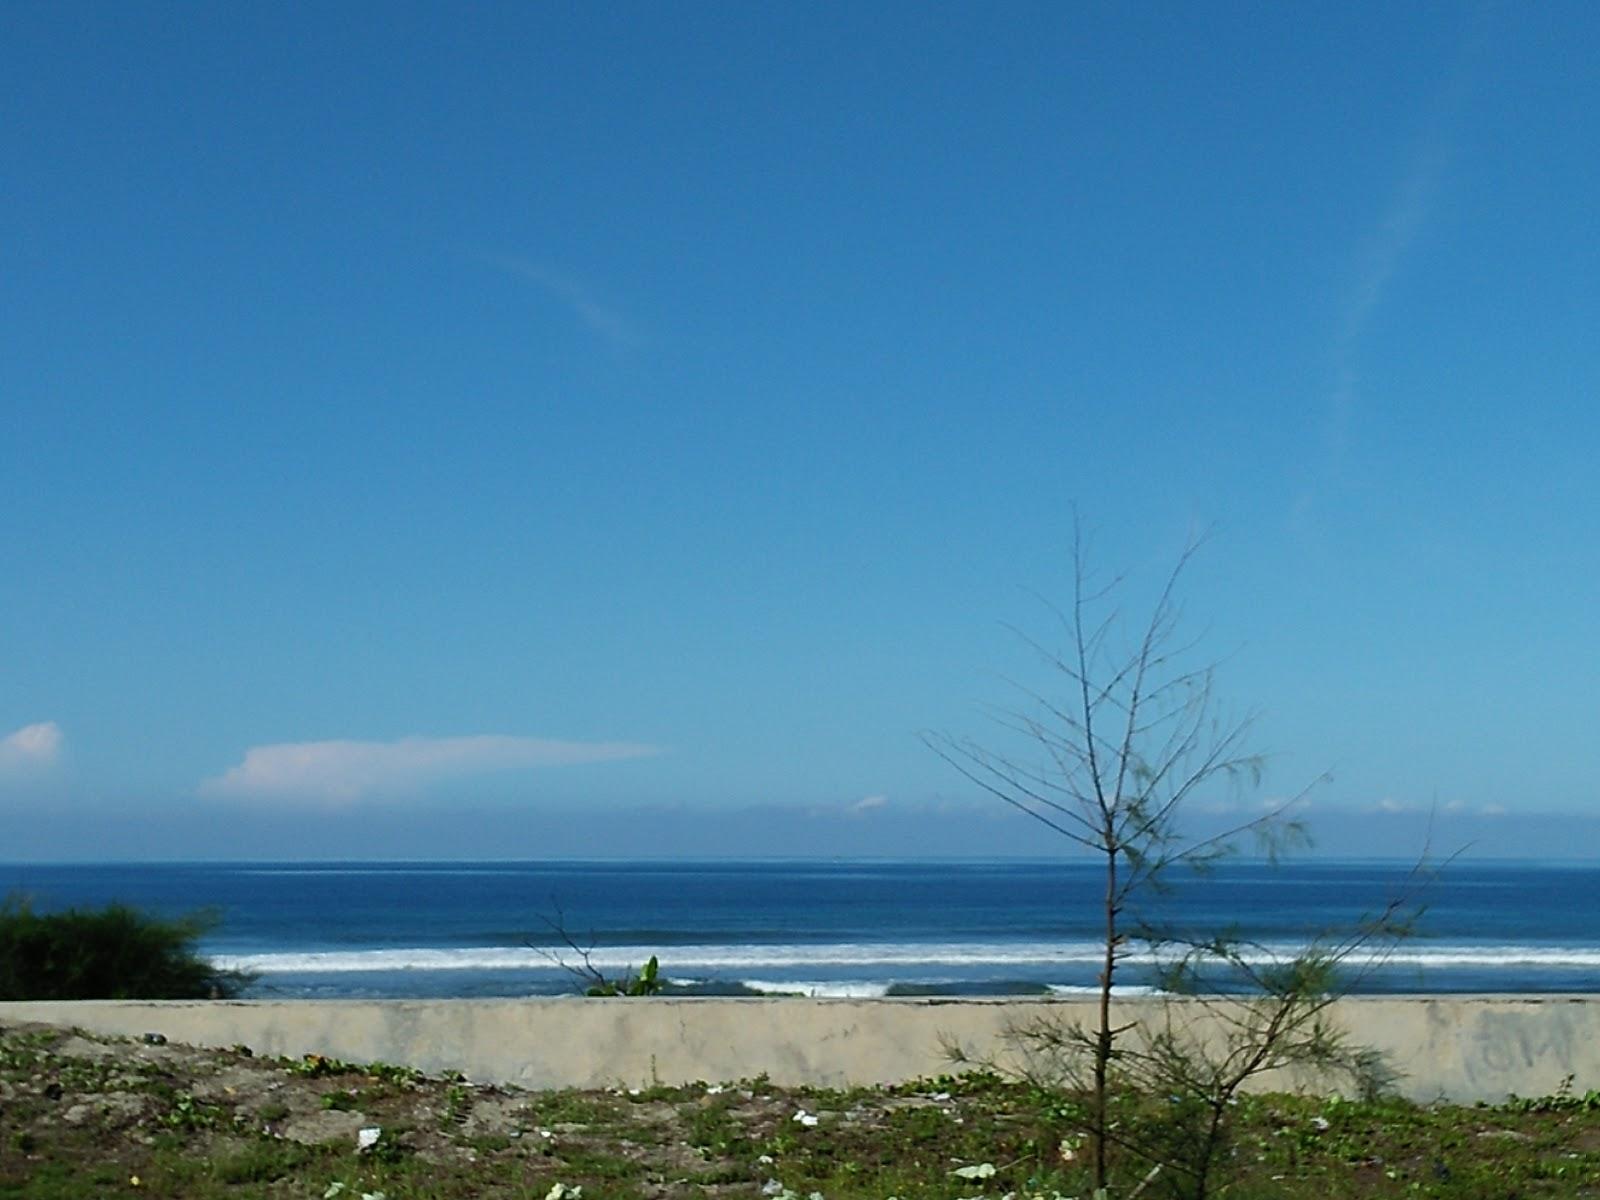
1460, 1048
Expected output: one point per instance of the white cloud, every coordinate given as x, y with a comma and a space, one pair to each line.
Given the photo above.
1381, 254
1377, 263
1380, 257
867, 804
335, 771
595, 315
1249, 808
31, 748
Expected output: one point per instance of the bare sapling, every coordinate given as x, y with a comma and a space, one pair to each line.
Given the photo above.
1109, 756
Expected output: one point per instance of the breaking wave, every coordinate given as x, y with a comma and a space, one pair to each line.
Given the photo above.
733, 960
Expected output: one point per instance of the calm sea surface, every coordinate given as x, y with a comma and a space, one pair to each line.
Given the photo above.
825, 928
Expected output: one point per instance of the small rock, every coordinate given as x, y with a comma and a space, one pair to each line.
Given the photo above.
1510, 1135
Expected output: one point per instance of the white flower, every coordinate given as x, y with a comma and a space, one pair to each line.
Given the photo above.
805, 1118
1320, 1122
980, 1171
765, 1160
716, 1089
334, 1189
562, 1191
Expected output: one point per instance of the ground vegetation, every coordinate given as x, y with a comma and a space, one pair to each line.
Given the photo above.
130, 1119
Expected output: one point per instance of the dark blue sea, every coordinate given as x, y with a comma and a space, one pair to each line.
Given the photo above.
846, 928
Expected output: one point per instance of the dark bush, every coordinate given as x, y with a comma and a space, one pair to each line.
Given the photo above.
111, 953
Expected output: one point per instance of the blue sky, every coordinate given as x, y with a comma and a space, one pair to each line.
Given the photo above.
560, 422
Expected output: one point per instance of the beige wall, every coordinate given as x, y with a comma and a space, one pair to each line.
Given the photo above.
1460, 1048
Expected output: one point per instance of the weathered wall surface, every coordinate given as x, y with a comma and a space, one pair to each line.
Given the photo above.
1458, 1047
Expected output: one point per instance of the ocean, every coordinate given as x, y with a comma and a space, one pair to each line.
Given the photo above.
835, 928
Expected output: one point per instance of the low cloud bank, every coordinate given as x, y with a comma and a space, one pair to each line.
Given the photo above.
475, 831
31, 748
345, 771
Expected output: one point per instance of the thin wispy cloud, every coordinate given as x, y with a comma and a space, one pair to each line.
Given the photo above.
1394, 234
592, 312
1379, 256
31, 749
347, 771
1378, 261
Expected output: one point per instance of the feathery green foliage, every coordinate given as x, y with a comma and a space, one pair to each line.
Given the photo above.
110, 953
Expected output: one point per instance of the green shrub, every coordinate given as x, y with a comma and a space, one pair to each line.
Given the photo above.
111, 953
648, 982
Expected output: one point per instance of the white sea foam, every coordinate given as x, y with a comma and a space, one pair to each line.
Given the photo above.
721, 959
902, 958
830, 989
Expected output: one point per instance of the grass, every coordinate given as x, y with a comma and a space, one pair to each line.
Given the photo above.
85, 1116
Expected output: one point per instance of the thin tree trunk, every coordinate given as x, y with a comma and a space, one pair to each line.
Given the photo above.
1202, 1175
1102, 1053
